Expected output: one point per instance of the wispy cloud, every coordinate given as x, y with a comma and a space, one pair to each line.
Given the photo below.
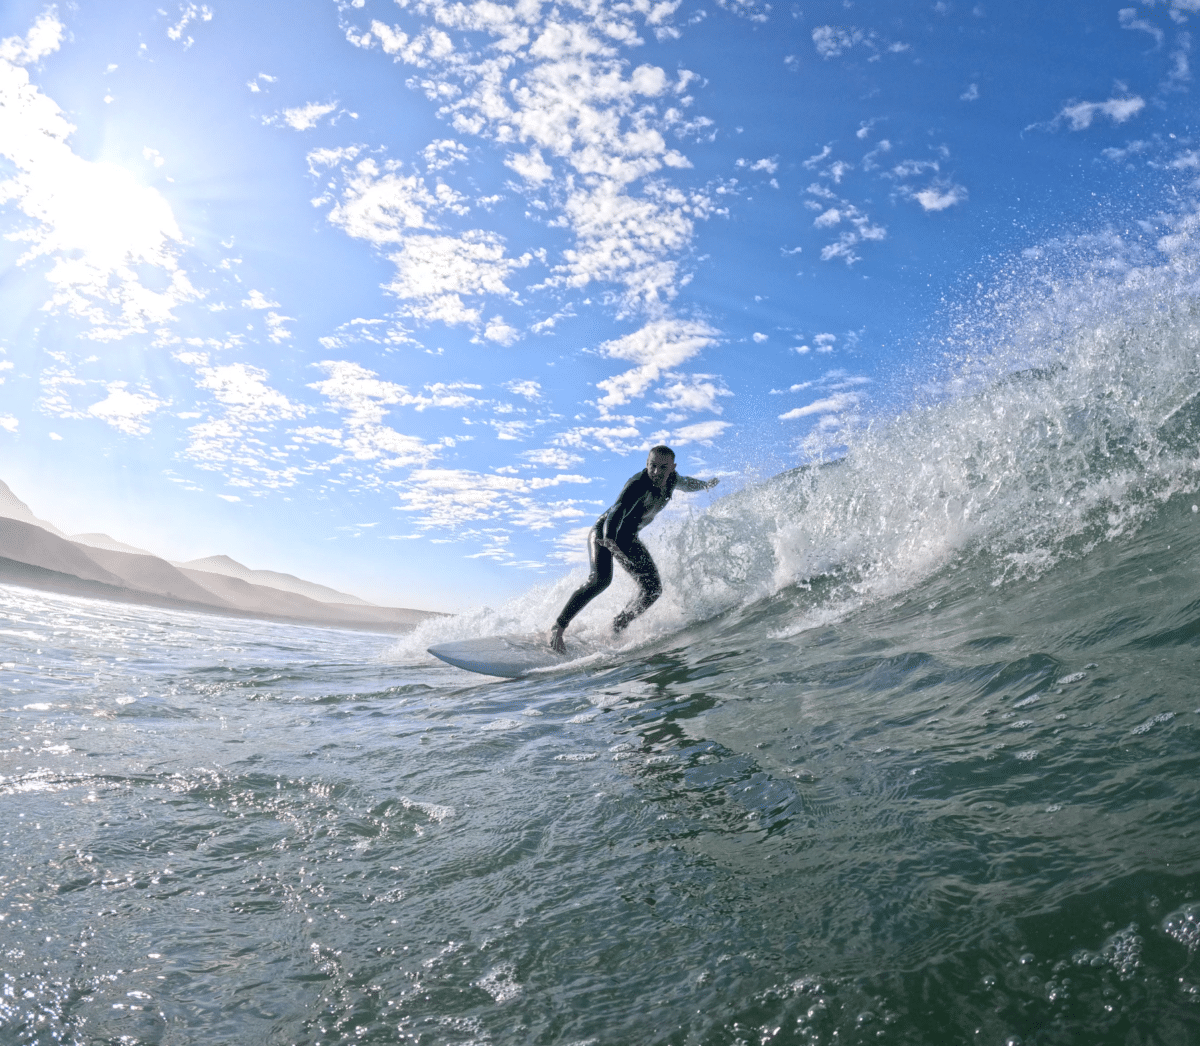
833, 41
450, 498
127, 411
829, 405
303, 117
940, 195
657, 347
188, 13
1080, 115
1179, 10
585, 134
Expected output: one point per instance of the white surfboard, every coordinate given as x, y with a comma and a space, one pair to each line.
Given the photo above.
511, 656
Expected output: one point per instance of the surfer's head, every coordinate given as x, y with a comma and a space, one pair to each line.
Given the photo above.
660, 465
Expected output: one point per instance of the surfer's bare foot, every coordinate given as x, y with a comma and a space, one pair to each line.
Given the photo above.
557, 644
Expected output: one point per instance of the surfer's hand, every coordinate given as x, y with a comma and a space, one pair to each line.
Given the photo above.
557, 644
712, 483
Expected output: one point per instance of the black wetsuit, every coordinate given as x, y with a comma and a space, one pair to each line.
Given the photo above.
640, 501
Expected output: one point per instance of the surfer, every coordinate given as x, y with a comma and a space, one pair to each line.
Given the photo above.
615, 537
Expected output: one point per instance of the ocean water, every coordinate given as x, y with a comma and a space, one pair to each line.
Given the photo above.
908, 753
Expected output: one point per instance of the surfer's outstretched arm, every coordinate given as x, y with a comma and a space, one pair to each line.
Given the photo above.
690, 484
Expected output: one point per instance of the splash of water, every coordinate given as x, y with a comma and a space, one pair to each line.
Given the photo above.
1065, 413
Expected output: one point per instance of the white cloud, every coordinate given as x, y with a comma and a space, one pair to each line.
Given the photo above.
1081, 114
703, 432
552, 457
45, 37
1178, 9
614, 439
125, 410
1181, 72
434, 272
364, 399
382, 206
630, 240
1132, 149
913, 168
553, 89
304, 117
444, 152
497, 330
659, 346
861, 228
691, 394
758, 336
832, 41
448, 498
189, 13
754, 10
8, 423
242, 387
329, 158
829, 405
234, 441
940, 195
1129, 20
769, 164
971, 94
430, 46
276, 331
258, 300
531, 390
93, 219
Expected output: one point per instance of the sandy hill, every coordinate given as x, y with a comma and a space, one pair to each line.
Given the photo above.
272, 579
29, 543
36, 554
12, 507
104, 541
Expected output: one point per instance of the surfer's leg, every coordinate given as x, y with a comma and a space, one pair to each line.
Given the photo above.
645, 573
598, 580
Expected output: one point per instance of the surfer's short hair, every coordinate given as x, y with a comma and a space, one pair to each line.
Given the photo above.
662, 448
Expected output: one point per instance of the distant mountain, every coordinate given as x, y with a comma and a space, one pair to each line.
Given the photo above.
13, 507
272, 579
104, 541
31, 543
36, 554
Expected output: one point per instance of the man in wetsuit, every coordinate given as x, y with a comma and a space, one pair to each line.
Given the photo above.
615, 536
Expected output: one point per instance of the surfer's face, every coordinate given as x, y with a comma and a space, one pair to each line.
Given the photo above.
660, 467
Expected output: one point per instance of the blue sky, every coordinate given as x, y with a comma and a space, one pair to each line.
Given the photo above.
395, 295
